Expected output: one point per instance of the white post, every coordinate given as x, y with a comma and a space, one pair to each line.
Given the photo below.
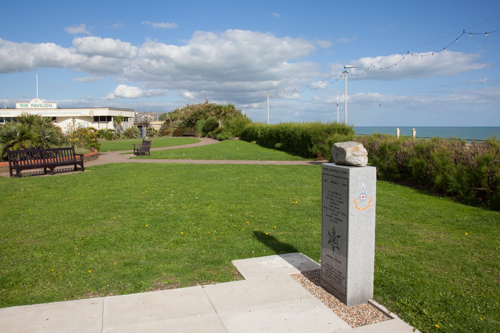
345, 95
268, 108
414, 134
398, 132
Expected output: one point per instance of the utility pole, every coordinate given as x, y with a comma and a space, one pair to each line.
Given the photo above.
268, 94
345, 91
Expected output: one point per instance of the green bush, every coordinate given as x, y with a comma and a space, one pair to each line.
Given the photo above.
310, 140
131, 132
85, 138
107, 134
152, 132
469, 172
237, 125
198, 128
210, 124
29, 132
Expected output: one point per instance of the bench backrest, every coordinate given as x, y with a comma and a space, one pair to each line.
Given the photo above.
39, 156
146, 143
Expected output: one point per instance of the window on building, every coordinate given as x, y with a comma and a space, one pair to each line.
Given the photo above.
102, 119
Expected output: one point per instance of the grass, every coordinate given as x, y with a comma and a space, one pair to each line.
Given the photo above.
126, 228
127, 144
226, 150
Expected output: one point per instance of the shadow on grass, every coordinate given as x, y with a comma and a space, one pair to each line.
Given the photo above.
274, 244
40, 172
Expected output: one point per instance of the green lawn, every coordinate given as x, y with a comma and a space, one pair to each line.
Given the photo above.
127, 228
127, 144
226, 150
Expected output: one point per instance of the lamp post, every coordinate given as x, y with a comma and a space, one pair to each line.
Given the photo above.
74, 121
345, 91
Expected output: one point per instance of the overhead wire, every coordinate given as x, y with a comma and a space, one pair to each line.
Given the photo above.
326, 82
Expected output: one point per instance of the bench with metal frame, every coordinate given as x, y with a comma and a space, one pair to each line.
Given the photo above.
142, 148
47, 158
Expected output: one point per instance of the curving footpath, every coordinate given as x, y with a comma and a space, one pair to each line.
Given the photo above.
123, 157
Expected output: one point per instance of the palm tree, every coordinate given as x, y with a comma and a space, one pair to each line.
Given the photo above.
29, 132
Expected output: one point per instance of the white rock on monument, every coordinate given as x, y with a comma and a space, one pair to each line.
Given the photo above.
350, 153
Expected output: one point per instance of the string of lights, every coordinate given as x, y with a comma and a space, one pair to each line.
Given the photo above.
324, 83
428, 54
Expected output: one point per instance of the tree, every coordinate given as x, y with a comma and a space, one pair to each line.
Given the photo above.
117, 120
29, 132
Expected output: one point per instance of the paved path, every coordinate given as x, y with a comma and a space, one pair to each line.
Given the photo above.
125, 157
268, 300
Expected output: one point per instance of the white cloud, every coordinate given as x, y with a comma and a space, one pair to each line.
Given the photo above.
397, 66
89, 79
162, 25
235, 60
17, 57
277, 15
106, 47
124, 91
236, 66
324, 44
77, 29
188, 95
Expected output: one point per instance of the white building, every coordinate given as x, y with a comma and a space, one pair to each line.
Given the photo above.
70, 119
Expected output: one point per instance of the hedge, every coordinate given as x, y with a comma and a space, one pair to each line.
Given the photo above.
469, 172
310, 140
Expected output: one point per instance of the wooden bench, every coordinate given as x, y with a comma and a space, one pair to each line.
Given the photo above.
142, 148
189, 133
43, 158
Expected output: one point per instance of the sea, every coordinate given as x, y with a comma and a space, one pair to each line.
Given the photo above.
463, 133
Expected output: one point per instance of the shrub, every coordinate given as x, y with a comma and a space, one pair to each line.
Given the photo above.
237, 125
107, 134
86, 138
307, 140
131, 132
469, 172
152, 132
198, 128
210, 124
29, 132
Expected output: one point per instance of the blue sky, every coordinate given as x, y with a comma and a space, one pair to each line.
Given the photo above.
162, 55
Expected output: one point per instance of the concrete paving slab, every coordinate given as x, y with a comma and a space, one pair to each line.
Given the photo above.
304, 315
70, 317
275, 265
390, 326
270, 301
244, 295
153, 307
193, 324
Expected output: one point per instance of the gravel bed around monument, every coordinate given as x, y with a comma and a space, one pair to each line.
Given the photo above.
358, 315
